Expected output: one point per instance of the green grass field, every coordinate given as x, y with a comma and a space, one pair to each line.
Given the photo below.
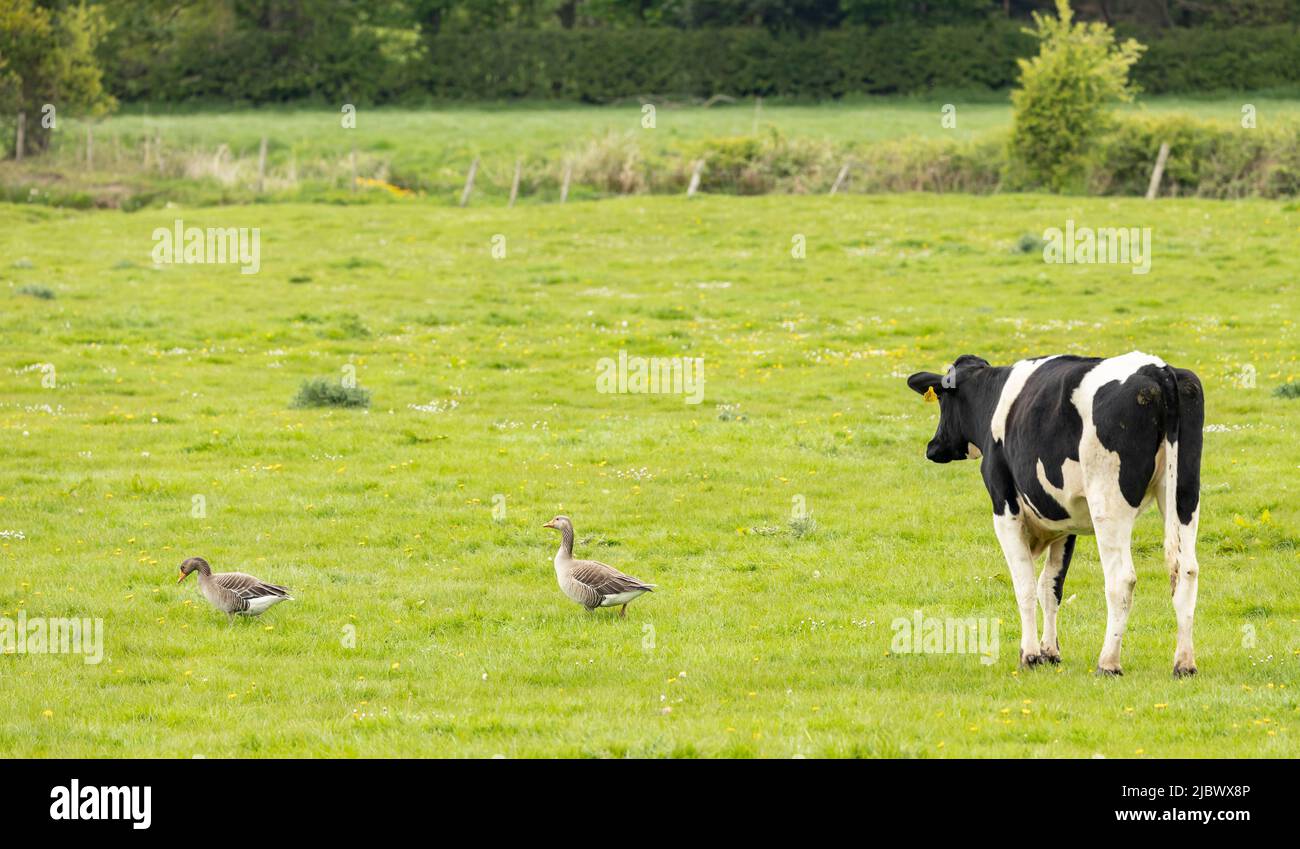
426, 139
767, 637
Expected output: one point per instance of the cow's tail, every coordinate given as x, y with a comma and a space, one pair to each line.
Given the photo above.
1169, 391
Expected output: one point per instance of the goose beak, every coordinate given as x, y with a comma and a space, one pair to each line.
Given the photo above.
181, 578
549, 524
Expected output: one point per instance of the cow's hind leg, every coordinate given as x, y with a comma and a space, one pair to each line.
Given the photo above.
1180, 556
1185, 597
1051, 585
1010, 528
1180, 528
1115, 545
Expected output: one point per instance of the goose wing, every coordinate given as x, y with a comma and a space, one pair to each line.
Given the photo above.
247, 587
605, 580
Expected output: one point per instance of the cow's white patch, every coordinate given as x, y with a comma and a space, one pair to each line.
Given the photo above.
1047, 599
1071, 496
1099, 465
1185, 593
1011, 390
1011, 532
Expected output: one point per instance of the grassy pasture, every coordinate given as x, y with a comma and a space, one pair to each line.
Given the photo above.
767, 638
425, 139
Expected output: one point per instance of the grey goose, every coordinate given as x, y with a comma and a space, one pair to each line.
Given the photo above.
234, 593
591, 583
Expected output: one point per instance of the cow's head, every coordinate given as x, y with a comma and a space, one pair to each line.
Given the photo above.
956, 434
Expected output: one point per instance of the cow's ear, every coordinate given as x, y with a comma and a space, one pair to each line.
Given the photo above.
924, 381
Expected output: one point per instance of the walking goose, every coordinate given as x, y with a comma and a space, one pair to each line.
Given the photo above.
588, 582
234, 592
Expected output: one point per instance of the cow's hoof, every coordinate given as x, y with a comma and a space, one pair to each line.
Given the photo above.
1050, 655
1031, 660
1181, 671
1110, 673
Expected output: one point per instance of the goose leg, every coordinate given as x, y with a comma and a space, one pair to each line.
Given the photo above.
622, 612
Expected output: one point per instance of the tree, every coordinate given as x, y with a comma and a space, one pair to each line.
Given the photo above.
50, 59
1061, 105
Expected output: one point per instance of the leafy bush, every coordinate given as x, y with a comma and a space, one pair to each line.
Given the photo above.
1287, 390
931, 165
754, 165
771, 163
326, 393
1205, 159
42, 292
611, 164
1029, 243
1061, 105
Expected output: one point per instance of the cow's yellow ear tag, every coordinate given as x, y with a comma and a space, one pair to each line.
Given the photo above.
929, 395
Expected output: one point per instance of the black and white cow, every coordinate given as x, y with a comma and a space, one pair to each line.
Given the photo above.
1079, 445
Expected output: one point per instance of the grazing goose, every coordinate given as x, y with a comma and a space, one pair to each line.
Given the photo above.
589, 583
234, 592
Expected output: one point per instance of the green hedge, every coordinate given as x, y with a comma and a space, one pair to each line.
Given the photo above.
1206, 159
605, 65
1238, 59
601, 65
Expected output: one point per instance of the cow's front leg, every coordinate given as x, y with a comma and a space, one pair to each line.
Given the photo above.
1114, 544
1051, 583
1010, 528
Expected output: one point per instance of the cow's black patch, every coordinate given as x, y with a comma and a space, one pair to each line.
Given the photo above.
1131, 421
998, 481
1191, 412
1044, 425
1058, 586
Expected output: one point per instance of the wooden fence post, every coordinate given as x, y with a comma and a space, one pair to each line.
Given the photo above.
90, 148
20, 140
564, 188
1158, 171
354, 167
514, 186
695, 178
839, 180
469, 182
